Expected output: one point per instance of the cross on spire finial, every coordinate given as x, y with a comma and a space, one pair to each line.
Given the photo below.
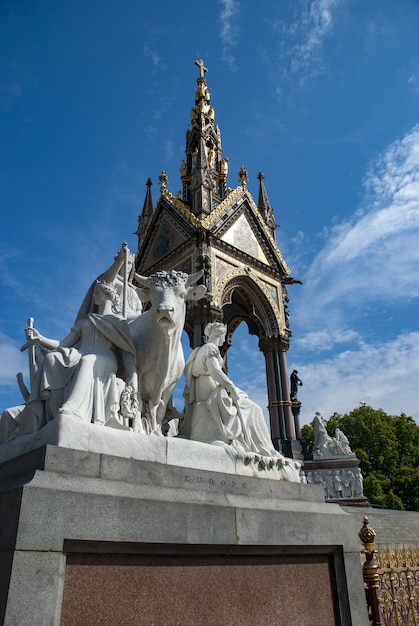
202, 68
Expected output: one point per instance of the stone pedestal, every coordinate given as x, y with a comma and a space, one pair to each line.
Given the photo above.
91, 538
340, 478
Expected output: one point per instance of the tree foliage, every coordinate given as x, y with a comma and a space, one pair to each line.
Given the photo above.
388, 449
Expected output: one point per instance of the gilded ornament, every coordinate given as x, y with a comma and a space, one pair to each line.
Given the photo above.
164, 179
243, 176
177, 202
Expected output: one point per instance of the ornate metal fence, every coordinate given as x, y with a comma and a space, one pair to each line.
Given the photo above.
391, 578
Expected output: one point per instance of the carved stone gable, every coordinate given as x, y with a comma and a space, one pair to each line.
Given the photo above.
166, 233
241, 236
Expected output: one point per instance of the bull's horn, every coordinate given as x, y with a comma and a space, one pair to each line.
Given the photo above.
193, 278
142, 280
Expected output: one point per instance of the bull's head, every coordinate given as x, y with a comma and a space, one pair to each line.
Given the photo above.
168, 292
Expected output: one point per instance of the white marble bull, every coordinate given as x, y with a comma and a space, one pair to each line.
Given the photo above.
157, 338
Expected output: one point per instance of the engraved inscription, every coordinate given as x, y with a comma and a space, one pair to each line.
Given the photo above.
211, 482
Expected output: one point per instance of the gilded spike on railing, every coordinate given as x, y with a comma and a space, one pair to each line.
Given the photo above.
370, 572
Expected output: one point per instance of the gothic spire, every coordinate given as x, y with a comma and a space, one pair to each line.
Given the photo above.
264, 205
147, 211
204, 172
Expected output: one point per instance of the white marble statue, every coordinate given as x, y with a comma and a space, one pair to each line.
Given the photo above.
217, 412
120, 275
121, 370
83, 375
342, 442
326, 446
157, 338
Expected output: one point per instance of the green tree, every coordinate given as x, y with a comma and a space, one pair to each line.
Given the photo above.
388, 449
307, 434
406, 485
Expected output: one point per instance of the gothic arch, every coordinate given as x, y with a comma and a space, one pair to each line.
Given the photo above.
242, 297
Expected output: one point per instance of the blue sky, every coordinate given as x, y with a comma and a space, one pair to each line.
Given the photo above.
322, 96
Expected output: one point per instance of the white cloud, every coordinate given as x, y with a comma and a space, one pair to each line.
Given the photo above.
383, 377
326, 339
153, 55
368, 264
229, 30
413, 81
169, 149
371, 256
10, 93
302, 40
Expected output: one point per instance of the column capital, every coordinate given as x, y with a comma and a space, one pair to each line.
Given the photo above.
204, 312
272, 343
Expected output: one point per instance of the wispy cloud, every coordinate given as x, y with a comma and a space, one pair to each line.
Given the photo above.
413, 76
229, 30
302, 39
371, 256
9, 94
367, 264
15, 84
169, 150
150, 53
378, 376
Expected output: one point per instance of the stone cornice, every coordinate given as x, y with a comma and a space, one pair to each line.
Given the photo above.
246, 259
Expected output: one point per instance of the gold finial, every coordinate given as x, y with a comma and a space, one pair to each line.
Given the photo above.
202, 68
371, 573
243, 176
367, 535
163, 178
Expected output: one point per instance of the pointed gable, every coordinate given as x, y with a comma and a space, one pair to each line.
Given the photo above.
165, 238
206, 214
241, 236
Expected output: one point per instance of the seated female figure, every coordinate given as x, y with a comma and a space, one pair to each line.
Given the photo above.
217, 412
78, 376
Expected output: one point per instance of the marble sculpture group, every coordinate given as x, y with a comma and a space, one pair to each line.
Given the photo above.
120, 363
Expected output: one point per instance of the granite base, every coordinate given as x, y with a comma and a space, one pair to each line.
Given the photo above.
78, 519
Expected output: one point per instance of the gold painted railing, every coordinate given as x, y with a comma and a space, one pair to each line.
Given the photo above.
391, 578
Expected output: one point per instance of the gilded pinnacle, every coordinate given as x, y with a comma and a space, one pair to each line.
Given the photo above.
243, 176
163, 178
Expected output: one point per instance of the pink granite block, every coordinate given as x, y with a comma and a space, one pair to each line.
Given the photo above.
197, 590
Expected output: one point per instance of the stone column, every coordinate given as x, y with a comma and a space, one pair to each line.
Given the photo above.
276, 416
273, 377
197, 335
197, 317
283, 431
289, 420
296, 408
291, 447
